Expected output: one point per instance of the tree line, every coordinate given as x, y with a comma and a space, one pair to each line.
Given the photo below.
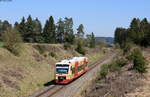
31, 31
131, 40
138, 33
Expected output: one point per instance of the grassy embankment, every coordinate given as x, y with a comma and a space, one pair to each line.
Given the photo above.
121, 77
24, 74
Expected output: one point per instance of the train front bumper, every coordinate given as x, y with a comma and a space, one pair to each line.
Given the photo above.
62, 80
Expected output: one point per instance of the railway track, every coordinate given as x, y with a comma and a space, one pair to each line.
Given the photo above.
53, 89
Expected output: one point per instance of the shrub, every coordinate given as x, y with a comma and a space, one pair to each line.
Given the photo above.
127, 47
40, 48
104, 70
13, 44
45, 55
138, 60
1, 44
121, 62
66, 46
80, 48
52, 54
112, 67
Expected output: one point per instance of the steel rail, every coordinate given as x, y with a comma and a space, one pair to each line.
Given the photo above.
91, 68
95, 64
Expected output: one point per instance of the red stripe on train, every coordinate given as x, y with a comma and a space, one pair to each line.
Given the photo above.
69, 80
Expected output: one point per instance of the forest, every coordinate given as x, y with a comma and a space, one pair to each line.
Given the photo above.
31, 30
138, 33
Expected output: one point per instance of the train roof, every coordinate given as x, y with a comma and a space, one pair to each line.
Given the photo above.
74, 59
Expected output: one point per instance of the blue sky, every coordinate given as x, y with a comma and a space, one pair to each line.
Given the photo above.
98, 16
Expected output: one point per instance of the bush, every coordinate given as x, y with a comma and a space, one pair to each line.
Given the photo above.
106, 68
52, 54
80, 48
114, 66
66, 46
40, 48
127, 47
13, 44
138, 60
1, 44
121, 62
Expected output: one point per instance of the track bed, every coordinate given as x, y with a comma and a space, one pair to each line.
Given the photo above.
72, 89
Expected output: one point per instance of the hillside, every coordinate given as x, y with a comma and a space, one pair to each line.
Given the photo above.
124, 83
21, 76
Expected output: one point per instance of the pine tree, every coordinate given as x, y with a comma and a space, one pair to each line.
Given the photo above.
28, 36
16, 24
69, 33
49, 32
92, 43
135, 33
80, 31
60, 31
46, 32
145, 30
147, 36
1, 31
138, 33
37, 31
37, 26
90, 38
4, 26
121, 36
22, 28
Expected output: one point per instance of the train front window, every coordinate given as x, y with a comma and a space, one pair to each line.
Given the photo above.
62, 69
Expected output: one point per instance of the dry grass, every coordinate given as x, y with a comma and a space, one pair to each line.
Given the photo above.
18, 74
125, 83
115, 85
143, 91
21, 76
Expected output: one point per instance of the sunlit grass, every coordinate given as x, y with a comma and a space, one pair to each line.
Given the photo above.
95, 57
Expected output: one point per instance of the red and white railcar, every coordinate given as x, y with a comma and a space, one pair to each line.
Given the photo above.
68, 70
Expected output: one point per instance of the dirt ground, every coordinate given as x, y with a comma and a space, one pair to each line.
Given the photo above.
126, 83
143, 91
